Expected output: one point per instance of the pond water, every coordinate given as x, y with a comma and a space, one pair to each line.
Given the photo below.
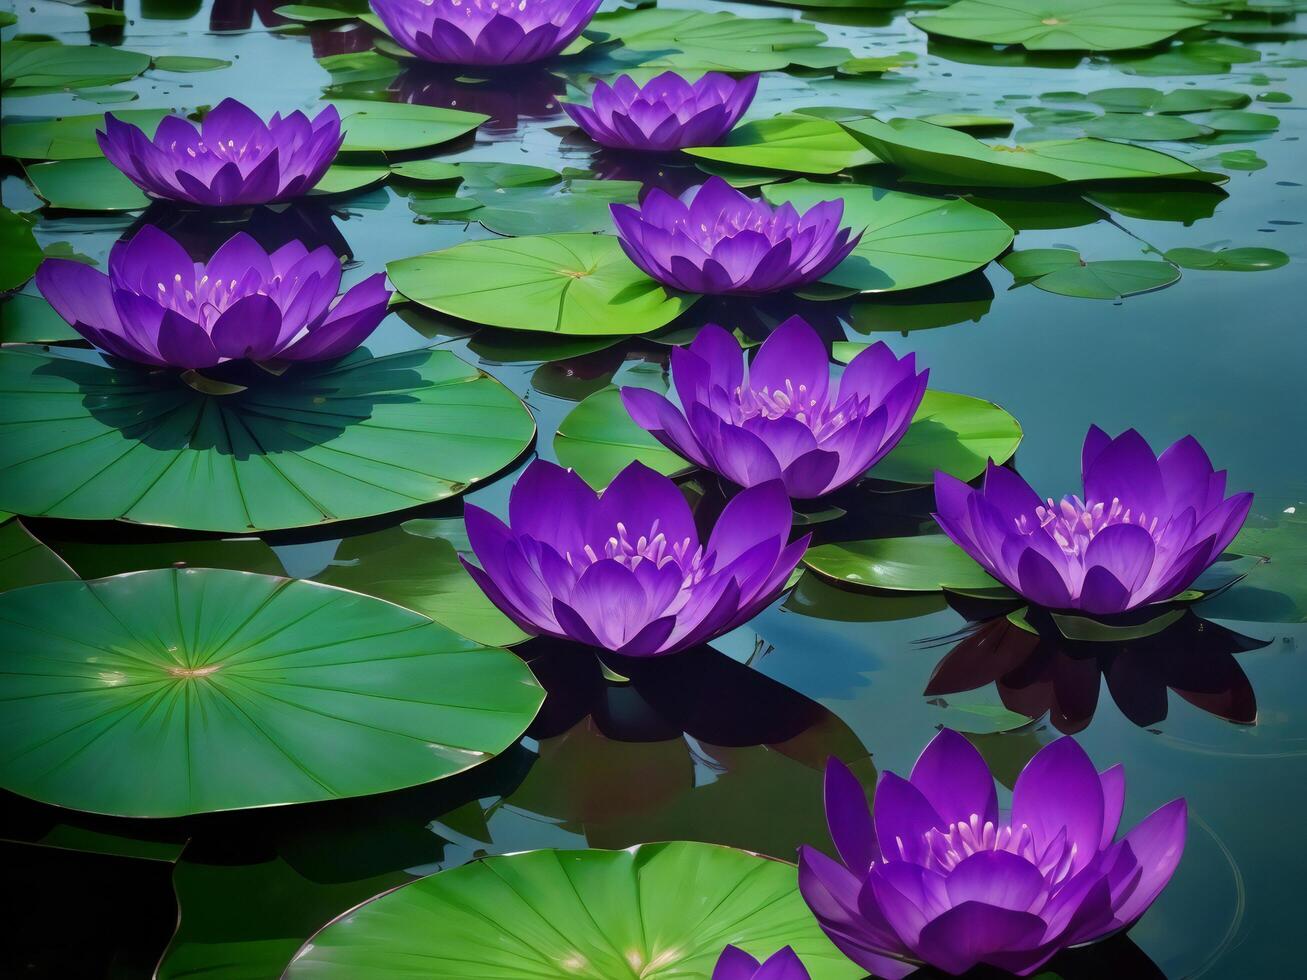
731, 751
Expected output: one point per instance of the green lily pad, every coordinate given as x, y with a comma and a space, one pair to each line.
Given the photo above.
651, 912
926, 563
1139, 126
1031, 263
968, 121
69, 137
934, 154
1228, 259
1111, 279
1179, 101
577, 204
877, 65
909, 241
322, 442
343, 178
1275, 589
476, 174
188, 64
19, 252
981, 719
178, 691
1191, 58
796, 143
26, 561
51, 66
1240, 121
92, 184
571, 284
717, 40
391, 126
1064, 25
1234, 160
29, 319
1086, 629
598, 439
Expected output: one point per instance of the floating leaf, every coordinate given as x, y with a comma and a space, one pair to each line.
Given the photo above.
981, 719
19, 252
1152, 100
651, 911
390, 126
1139, 126
177, 691
1112, 279
716, 40
796, 143
954, 433
26, 561
1191, 58
1064, 25
342, 178
572, 284
1228, 259
877, 65
1031, 263
968, 121
29, 319
909, 241
1275, 589
598, 439
934, 154
322, 442
86, 185
925, 563
1088, 630
1239, 121
68, 137
49, 65
187, 64
576, 205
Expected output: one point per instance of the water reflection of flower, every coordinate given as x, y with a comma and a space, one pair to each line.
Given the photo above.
506, 97
1048, 674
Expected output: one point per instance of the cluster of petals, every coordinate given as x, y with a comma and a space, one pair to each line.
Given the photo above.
736, 964
158, 307
714, 239
232, 158
666, 113
626, 570
485, 32
1145, 529
937, 875
783, 418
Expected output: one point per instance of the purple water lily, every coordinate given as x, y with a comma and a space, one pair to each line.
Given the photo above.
714, 239
233, 157
783, 419
1145, 529
485, 32
938, 876
626, 570
666, 113
736, 964
159, 307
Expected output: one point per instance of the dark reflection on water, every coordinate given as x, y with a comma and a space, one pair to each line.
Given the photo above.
506, 97
202, 232
1038, 674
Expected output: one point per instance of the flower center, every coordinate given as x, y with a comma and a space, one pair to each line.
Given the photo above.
949, 848
1073, 524
650, 547
796, 402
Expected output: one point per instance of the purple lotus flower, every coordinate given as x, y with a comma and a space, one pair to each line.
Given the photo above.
158, 307
232, 158
713, 239
784, 420
736, 964
485, 32
666, 113
626, 570
937, 876
1146, 528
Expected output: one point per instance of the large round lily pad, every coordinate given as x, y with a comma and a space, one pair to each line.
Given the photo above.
177, 691
1065, 25
572, 284
322, 442
652, 912
909, 240
935, 154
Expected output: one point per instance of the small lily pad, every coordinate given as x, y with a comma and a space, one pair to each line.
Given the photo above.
571, 284
392, 126
795, 143
69, 137
925, 563
1228, 259
51, 66
1111, 279
85, 185
188, 64
955, 433
598, 439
